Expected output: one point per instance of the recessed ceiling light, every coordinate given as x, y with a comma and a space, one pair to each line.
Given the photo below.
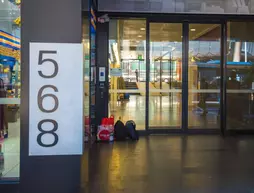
142, 28
140, 36
193, 29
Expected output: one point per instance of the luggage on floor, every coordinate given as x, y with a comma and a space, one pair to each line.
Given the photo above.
121, 132
132, 132
108, 121
127, 96
106, 129
105, 133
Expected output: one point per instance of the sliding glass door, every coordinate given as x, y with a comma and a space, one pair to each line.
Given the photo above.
165, 78
204, 74
184, 77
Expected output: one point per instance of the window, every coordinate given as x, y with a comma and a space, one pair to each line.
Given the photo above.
9, 90
240, 75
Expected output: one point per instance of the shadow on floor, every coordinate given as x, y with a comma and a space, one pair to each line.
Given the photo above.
164, 164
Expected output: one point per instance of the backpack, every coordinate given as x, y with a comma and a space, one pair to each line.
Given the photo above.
121, 132
132, 132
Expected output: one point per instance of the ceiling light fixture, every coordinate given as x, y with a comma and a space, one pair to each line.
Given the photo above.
142, 29
193, 29
140, 36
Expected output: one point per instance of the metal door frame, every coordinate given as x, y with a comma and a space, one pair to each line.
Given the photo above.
185, 55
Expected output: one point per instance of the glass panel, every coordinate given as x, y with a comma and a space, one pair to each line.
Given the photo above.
204, 76
127, 41
240, 75
165, 81
179, 6
86, 55
9, 91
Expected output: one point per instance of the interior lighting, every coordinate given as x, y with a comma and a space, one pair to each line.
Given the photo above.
140, 36
193, 29
142, 29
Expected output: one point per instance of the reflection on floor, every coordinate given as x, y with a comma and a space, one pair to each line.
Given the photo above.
165, 111
134, 109
11, 153
163, 164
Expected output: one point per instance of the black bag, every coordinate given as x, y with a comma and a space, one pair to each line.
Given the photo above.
132, 132
121, 132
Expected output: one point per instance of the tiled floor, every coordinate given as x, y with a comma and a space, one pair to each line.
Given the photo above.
165, 164
11, 152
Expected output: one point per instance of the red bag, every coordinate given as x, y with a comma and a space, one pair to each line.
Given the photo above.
105, 133
108, 121
111, 120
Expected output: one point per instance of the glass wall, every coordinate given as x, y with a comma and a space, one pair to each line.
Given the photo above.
179, 6
165, 81
204, 76
127, 70
240, 75
9, 90
86, 59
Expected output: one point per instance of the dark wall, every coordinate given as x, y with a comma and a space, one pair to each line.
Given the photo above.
85, 5
102, 90
174, 6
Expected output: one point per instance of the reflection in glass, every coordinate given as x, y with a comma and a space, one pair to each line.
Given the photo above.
204, 76
10, 87
165, 81
86, 55
9, 104
127, 40
240, 75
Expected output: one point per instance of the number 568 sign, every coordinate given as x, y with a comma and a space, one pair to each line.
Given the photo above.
56, 99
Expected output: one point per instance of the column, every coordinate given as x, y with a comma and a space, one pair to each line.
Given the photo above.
50, 21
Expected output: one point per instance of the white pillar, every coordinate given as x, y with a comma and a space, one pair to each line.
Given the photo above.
237, 52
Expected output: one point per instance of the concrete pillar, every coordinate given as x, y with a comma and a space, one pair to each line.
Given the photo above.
50, 21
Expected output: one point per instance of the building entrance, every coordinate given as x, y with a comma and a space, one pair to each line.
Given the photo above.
169, 75
184, 82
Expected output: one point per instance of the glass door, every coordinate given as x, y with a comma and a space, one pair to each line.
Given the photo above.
204, 76
127, 71
178, 51
165, 79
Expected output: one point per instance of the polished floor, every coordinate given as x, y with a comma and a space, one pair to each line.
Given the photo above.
165, 112
165, 164
10, 153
